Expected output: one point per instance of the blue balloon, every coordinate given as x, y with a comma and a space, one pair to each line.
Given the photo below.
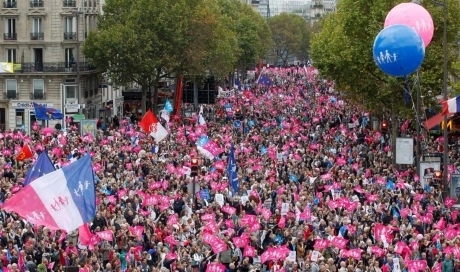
398, 50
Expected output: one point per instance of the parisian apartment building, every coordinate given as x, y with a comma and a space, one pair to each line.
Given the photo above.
41, 59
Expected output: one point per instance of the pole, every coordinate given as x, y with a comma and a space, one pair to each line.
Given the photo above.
444, 88
419, 144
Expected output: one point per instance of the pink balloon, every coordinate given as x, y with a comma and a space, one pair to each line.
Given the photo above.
415, 16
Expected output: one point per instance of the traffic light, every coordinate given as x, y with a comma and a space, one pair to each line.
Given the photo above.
194, 168
384, 126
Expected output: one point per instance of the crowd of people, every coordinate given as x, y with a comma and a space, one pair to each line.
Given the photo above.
318, 191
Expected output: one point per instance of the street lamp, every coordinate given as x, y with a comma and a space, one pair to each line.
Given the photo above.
444, 89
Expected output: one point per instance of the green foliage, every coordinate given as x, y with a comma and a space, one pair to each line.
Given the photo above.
342, 51
291, 37
253, 34
144, 41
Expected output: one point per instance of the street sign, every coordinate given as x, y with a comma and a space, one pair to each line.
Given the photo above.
237, 124
77, 117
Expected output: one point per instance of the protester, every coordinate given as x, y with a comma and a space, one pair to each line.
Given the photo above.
316, 190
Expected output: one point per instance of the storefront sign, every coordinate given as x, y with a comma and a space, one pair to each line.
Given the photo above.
29, 104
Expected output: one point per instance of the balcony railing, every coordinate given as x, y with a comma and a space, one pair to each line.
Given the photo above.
10, 36
37, 35
36, 3
69, 3
38, 96
10, 95
70, 35
10, 4
52, 67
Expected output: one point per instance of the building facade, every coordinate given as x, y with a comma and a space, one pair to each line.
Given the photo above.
43, 39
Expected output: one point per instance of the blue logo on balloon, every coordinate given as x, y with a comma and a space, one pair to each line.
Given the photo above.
398, 50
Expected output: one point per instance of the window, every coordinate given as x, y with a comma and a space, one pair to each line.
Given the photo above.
10, 29
69, 58
38, 89
11, 55
9, 4
37, 29
11, 88
71, 92
36, 3
70, 28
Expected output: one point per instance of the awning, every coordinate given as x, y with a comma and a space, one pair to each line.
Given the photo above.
435, 120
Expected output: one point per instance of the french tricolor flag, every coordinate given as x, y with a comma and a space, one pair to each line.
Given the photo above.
64, 199
451, 105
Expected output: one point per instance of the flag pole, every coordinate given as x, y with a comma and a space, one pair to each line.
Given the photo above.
261, 72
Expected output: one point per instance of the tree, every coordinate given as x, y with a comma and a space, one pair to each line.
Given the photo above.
253, 34
342, 51
139, 41
291, 37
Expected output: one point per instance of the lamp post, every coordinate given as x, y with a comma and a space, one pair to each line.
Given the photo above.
444, 91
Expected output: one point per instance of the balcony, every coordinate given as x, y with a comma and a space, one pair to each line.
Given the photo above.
10, 4
69, 3
10, 36
70, 35
36, 3
10, 95
37, 36
38, 95
53, 67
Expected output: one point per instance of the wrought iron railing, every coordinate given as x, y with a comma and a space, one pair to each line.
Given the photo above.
10, 4
37, 35
70, 35
37, 96
10, 36
52, 67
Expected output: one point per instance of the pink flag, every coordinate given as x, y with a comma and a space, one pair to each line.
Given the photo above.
355, 253
449, 202
282, 222
266, 213
137, 231
208, 217
339, 242
84, 234
215, 267
173, 219
228, 210
121, 193
218, 245
240, 241
441, 224
321, 244
249, 251
171, 240
105, 235
377, 251
418, 265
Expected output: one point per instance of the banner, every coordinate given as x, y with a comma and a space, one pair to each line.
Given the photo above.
223, 93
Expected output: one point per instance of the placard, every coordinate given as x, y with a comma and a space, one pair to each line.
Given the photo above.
219, 198
427, 170
404, 150
284, 208
88, 127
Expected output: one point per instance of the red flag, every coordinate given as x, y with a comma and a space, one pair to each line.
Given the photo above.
25, 153
150, 124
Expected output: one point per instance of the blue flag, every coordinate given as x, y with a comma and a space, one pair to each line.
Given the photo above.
231, 171
43, 113
168, 106
264, 80
41, 167
237, 83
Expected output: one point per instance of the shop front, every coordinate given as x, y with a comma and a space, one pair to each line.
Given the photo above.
21, 115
